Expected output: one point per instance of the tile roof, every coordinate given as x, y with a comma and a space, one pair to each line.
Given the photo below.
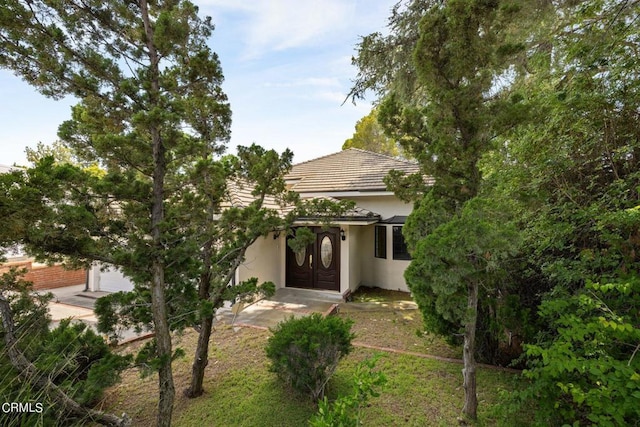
348, 170
7, 169
239, 195
354, 213
396, 219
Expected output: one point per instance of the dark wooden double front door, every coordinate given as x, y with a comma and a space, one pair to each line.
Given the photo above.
318, 265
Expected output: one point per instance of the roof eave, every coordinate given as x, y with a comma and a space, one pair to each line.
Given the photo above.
336, 221
345, 193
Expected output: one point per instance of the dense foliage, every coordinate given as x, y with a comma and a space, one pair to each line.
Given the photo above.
588, 371
150, 107
572, 164
71, 355
526, 116
305, 352
369, 135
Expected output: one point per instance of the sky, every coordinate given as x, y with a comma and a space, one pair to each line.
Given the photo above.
287, 67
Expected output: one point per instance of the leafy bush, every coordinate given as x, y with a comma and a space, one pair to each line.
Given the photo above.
305, 352
79, 360
588, 373
72, 356
345, 411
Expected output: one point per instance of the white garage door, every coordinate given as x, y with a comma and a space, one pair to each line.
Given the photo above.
113, 281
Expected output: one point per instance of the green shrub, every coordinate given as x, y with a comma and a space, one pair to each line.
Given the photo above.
305, 352
345, 411
588, 372
79, 361
72, 356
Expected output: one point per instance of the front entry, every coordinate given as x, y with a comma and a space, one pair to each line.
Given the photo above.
318, 265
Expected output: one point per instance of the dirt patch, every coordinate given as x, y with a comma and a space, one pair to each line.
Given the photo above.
398, 329
368, 294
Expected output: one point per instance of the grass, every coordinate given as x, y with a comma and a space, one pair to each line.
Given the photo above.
398, 329
240, 390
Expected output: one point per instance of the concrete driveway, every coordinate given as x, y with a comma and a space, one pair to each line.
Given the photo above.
69, 302
73, 302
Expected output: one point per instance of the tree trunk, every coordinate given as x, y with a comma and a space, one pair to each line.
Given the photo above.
201, 359
158, 299
30, 373
469, 371
163, 341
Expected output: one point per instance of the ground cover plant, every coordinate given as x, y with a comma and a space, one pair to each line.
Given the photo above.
346, 410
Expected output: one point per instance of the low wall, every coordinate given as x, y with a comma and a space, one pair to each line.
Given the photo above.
48, 277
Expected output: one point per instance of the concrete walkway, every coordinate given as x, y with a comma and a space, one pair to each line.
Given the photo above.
75, 303
284, 304
68, 302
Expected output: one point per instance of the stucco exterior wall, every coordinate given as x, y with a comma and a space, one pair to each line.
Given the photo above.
386, 206
356, 246
379, 272
345, 263
263, 260
109, 280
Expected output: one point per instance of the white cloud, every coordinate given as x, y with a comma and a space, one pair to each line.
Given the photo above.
331, 96
275, 25
308, 81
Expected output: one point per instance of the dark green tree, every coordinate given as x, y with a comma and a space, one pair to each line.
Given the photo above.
150, 103
212, 229
436, 73
64, 370
572, 163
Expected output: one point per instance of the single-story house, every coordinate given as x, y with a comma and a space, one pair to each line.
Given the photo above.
363, 247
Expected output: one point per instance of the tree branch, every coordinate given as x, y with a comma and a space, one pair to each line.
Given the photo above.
30, 373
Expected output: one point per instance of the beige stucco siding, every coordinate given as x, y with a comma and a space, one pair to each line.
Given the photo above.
355, 246
385, 206
263, 261
383, 273
345, 263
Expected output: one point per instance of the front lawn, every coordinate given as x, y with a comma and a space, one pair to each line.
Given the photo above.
240, 390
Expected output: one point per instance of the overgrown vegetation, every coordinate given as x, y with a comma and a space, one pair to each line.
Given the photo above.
526, 116
588, 372
242, 391
74, 359
346, 410
305, 352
